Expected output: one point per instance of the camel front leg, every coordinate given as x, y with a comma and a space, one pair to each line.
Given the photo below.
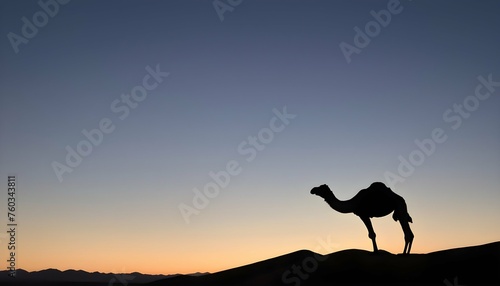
371, 233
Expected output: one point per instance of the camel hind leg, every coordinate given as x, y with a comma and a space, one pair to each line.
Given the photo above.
408, 235
401, 214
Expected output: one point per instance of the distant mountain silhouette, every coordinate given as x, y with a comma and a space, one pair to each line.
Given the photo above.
474, 265
79, 276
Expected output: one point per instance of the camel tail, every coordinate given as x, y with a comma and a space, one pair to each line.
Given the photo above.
401, 211
402, 214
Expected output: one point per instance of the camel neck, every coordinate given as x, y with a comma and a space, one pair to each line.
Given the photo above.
338, 205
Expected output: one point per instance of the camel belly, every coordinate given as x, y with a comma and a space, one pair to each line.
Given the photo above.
374, 211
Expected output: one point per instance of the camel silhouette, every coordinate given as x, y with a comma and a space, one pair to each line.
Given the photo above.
375, 201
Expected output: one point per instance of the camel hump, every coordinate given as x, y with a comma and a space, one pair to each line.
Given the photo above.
378, 185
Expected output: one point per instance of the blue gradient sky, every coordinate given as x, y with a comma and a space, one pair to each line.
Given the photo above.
118, 210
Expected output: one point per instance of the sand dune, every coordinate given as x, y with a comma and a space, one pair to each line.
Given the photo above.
476, 265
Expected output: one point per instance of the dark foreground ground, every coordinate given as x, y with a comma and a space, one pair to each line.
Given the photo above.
475, 265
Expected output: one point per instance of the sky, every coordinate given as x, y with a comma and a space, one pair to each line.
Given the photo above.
210, 122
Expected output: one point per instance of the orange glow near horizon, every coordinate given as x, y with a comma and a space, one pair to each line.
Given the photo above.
190, 263
92, 240
226, 248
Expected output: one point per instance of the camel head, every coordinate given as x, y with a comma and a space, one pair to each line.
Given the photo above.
322, 191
